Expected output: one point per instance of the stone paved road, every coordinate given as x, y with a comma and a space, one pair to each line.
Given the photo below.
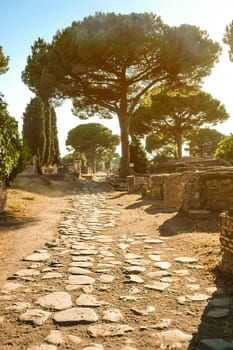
91, 289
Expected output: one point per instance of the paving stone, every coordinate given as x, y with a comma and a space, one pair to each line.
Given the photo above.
51, 276
143, 312
185, 259
135, 279
217, 344
173, 336
43, 347
127, 298
193, 287
113, 315
134, 269
106, 278
182, 272
89, 300
218, 313
93, 346
35, 316
55, 301
220, 301
11, 287
159, 286
37, 257
81, 264
156, 274
162, 324
155, 257
55, 337
74, 339
80, 279
19, 306
75, 315
108, 330
153, 241
78, 271
27, 273
163, 265
198, 297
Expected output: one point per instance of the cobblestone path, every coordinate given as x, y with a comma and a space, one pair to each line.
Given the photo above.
92, 289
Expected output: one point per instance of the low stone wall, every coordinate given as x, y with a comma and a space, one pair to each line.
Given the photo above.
207, 190
3, 198
226, 240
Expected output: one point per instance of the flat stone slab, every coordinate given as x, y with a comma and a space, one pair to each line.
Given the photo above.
75, 315
143, 312
19, 306
94, 346
10, 287
218, 313
78, 271
162, 324
159, 286
217, 344
153, 241
185, 259
43, 347
174, 336
163, 265
220, 301
135, 279
35, 316
55, 301
134, 269
51, 275
55, 337
108, 330
80, 279
155, 257
37, 257
27, 273
89, 300
198, 297
113, 315
106, 278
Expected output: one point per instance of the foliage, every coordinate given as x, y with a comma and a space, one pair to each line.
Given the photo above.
3, 62
107, 62
165, 153
174, 116
11, 148
228, 39
204, 141
138, 155
89, 138
40, 132
225, 148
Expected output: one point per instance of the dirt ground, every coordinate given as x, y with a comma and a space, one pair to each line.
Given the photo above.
35, 206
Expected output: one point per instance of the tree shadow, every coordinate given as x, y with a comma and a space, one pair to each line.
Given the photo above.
216, 332
181, 223
13, 222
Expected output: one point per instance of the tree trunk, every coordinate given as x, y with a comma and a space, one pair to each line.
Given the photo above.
124, 126
179, 145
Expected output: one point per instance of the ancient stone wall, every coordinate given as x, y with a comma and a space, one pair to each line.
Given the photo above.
209, 189
226, 239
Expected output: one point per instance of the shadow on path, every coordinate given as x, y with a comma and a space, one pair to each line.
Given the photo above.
215, 331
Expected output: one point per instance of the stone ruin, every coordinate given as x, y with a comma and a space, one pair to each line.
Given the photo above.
196, 192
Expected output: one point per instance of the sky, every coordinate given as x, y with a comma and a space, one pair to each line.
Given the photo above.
23, 21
